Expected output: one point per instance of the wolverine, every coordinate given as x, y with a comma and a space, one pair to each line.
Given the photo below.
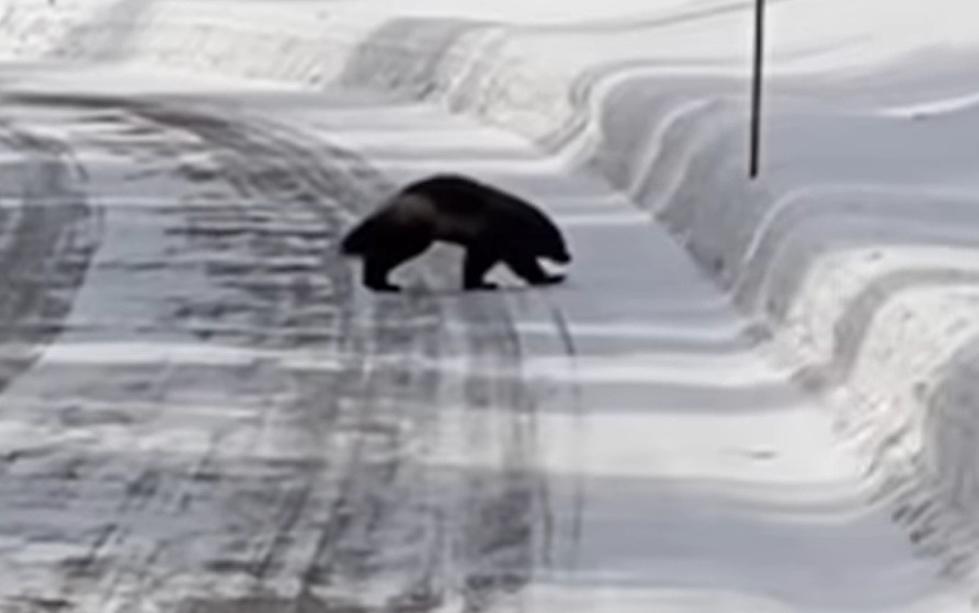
492, 225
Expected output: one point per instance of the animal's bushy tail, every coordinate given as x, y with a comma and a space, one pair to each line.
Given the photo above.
359, 239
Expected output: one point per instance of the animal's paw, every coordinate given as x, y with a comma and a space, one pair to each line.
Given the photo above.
549, 280
389, 288
484, 285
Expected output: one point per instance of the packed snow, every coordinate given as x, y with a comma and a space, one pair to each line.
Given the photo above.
750, 396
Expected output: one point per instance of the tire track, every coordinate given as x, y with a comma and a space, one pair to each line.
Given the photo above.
510, 526
318, 480
381, 492
282, 293
46, 245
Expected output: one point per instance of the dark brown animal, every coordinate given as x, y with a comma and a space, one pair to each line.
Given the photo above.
492, 225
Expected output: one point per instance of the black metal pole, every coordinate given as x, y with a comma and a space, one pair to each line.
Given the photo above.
756, 88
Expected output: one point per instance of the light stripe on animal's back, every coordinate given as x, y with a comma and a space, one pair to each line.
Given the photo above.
453, 221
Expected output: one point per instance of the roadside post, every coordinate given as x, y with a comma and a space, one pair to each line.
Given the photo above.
756, 89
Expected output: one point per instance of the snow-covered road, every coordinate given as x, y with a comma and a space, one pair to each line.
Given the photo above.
204, 413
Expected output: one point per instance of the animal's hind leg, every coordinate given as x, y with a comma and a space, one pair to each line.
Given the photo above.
376, 269
377, 266
529, 269
477, 263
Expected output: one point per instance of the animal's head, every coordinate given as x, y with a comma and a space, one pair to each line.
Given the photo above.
535, 226
553, 247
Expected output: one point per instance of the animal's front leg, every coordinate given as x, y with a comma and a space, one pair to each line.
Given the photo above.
387, 257
477, 264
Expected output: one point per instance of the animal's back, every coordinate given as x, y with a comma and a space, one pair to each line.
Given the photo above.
460, 199
403, 213
504, 215
459, 210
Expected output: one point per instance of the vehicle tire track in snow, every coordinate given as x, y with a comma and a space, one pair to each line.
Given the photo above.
46, 244
259, 440
509, 511
383, 507
275, 294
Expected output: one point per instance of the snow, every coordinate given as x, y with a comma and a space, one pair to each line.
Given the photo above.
728, 405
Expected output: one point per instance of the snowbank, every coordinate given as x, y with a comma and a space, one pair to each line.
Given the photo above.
856, 252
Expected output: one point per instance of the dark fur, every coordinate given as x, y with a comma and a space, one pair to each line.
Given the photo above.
493, 226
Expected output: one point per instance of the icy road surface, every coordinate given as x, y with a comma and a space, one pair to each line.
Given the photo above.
202, 412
